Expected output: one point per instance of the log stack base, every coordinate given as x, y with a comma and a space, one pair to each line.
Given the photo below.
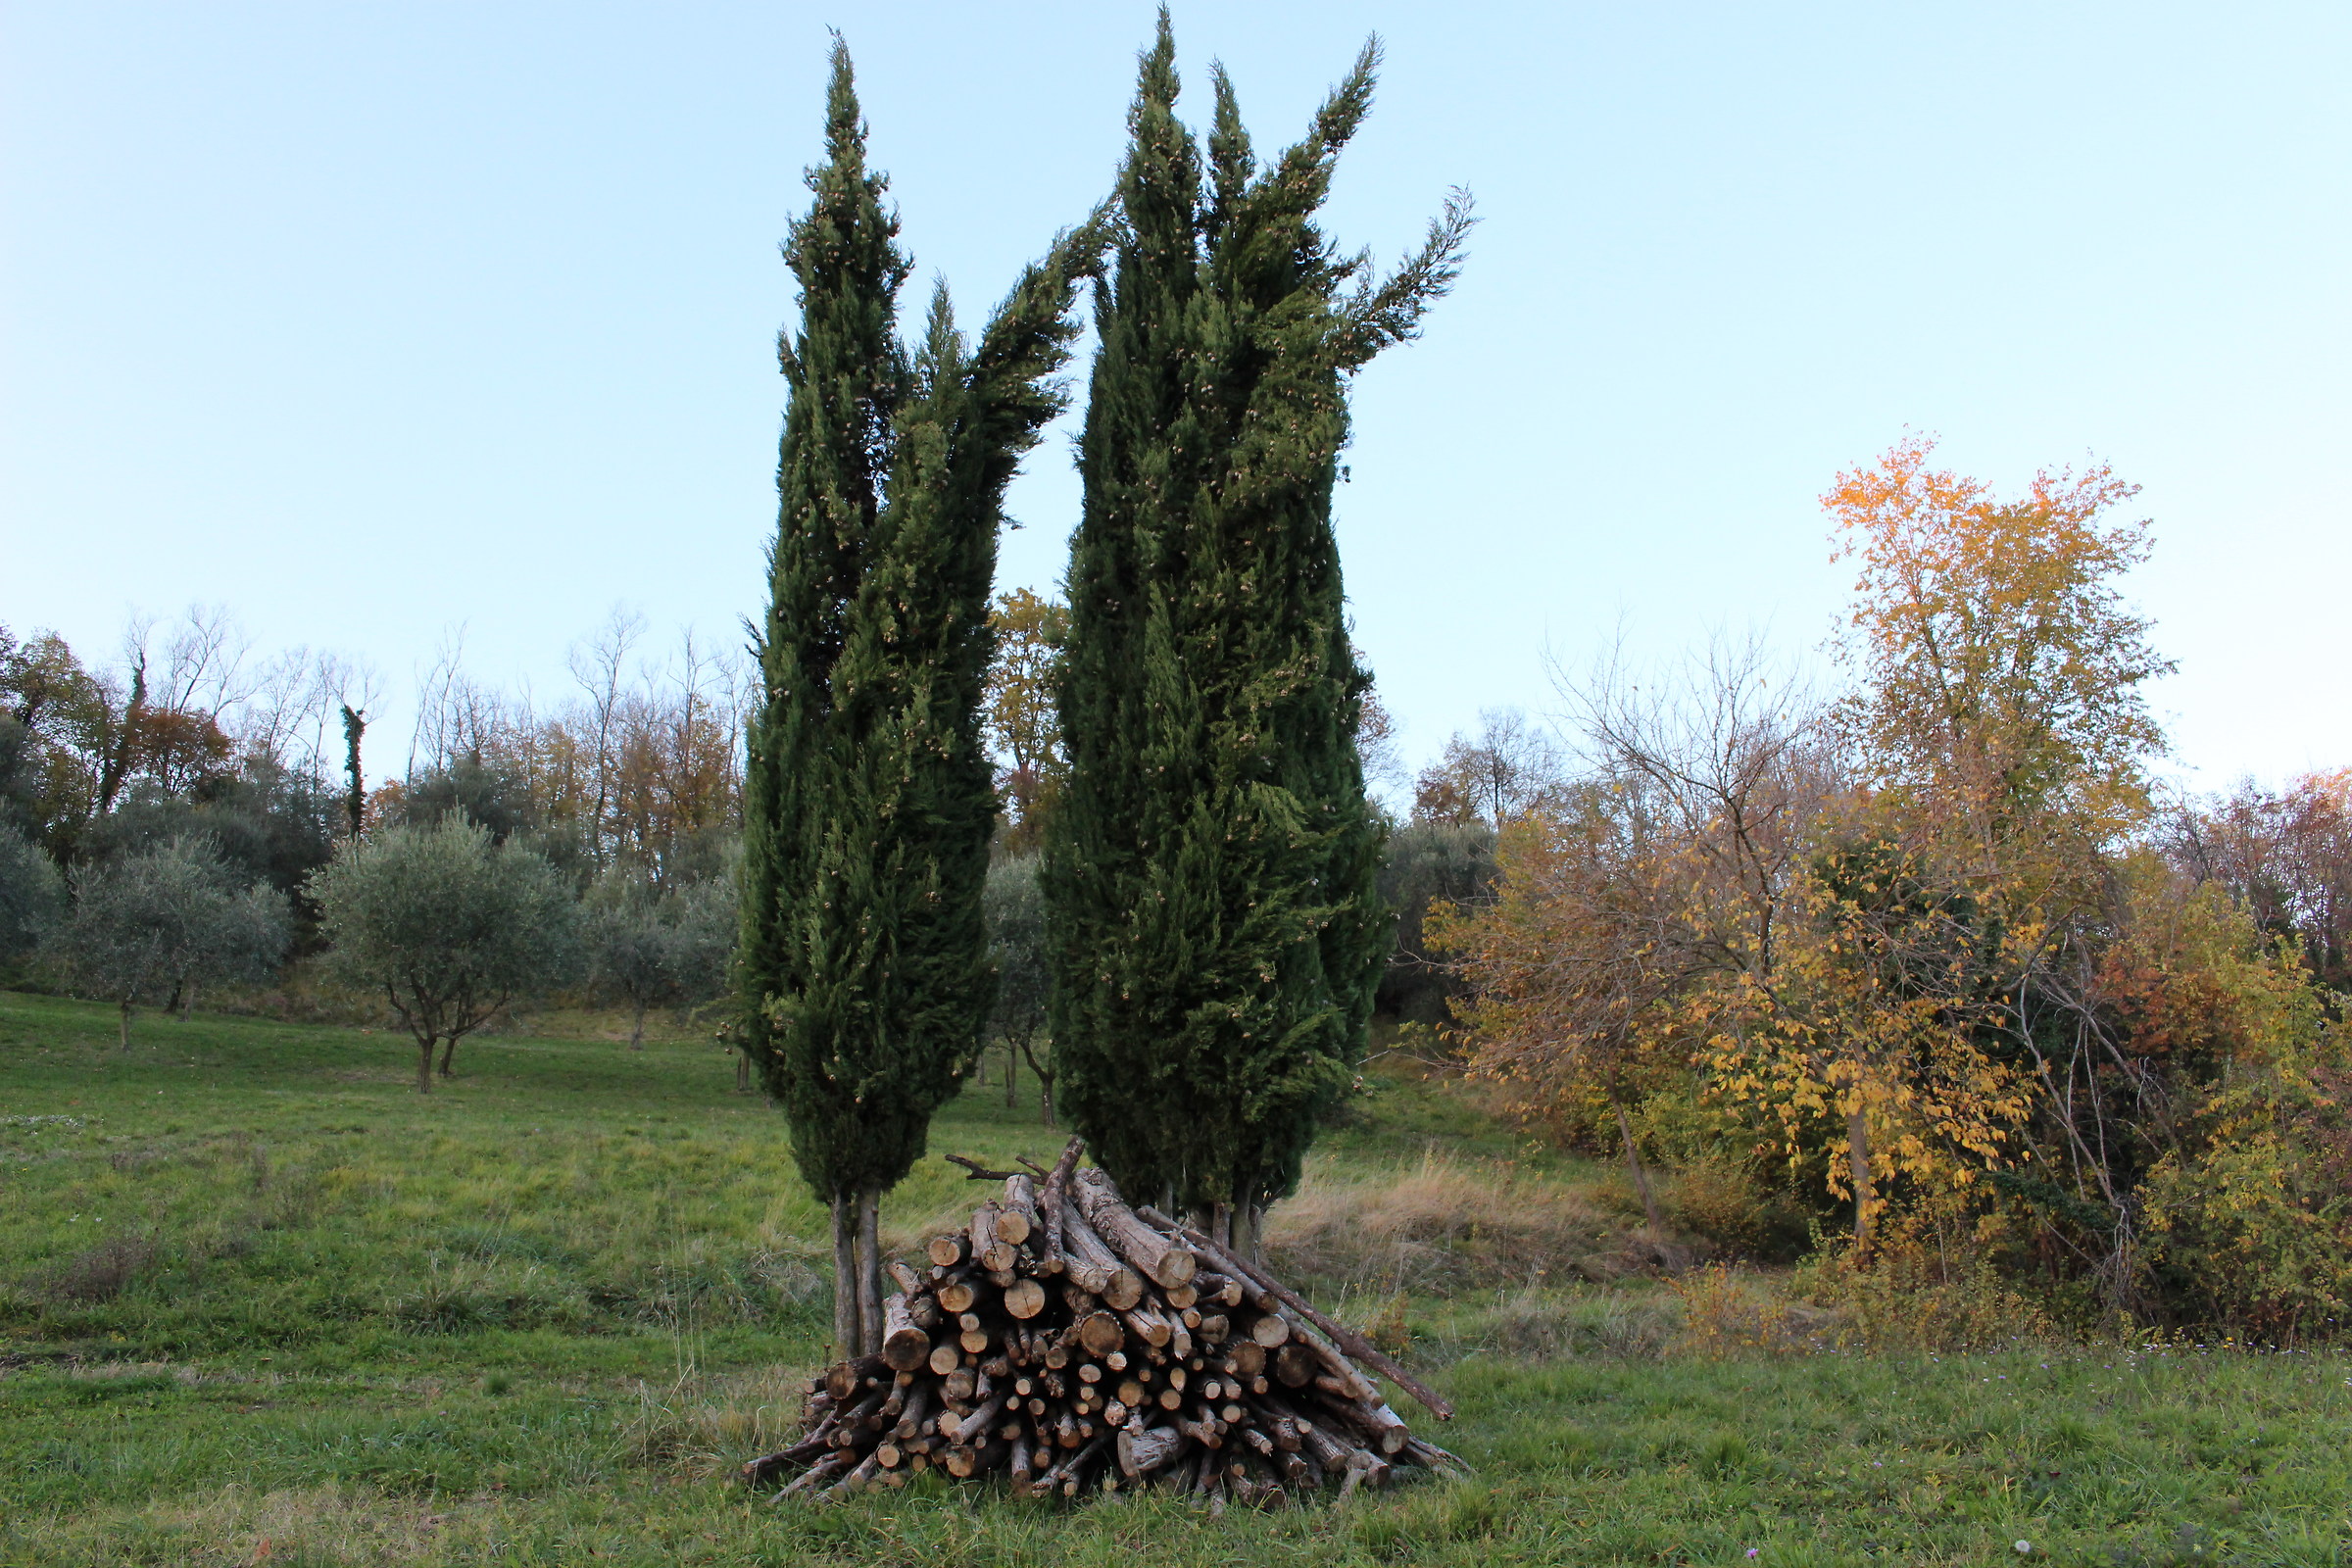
1073, 1346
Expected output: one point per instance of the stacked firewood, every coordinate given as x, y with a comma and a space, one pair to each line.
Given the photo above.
1072, 1342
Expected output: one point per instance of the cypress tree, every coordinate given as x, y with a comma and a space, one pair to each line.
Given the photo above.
862, 961
1217, 932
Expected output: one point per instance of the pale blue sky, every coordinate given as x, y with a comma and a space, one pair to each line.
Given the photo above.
368, 319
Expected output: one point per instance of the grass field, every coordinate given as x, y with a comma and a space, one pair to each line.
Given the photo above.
260, 1302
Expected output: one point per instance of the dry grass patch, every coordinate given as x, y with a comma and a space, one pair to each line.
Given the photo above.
1445, 1223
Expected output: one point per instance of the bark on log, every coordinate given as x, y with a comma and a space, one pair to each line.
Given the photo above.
969, 1429
1163, 1260
1142, 1452
904, 1345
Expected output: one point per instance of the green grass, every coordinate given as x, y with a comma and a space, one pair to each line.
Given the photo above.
261, 1303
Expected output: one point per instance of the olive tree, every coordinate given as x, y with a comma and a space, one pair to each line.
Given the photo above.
30, 891
1014, 906
650, 949
171, 917
448, 925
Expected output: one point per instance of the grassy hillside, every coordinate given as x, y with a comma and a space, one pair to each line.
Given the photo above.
261, 1303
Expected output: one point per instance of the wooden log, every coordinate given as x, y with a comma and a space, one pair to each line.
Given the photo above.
1075, 1468
904, 1345
766, 1468
958, 1296
907, 1279
818, 1473
844, 1379
988, 1249
1165, 1261
1147, 1325
1218, 1288
945, 1358
1422, 1451
979, 1460
1092, 1263
1376, 1424
1051, 1196
1139, 1452
854, 1482
1245, 1358
1270, 1331
1017, 1219
968, 1431
917, 1411
1025, 1299
1022, 1474
946, 1251
1347, 1339
1294, 1366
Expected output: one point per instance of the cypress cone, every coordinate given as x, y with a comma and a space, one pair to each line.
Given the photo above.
868, 800
1216, 931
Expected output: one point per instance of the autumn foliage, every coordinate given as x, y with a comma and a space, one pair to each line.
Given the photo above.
1927, 955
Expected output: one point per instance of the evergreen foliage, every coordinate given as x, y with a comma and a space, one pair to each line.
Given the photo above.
1210, 870
868, 799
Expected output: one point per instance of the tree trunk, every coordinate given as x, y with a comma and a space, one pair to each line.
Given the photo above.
1045, 1099
869, 1270
1250, 1233
126, 1026
743, 1071
845, 1276
1012, 1074
1633, 1162
1857, 1158
187, 1003
425, 1065
637, 1030
980, 1070
448, 1051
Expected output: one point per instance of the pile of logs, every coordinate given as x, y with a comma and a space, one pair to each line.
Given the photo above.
1071, 1342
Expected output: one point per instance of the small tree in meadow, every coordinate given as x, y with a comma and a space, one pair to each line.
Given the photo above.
449, 927
1014, 907
651, 949
171, 917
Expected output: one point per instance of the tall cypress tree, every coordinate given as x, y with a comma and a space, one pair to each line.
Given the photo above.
1217, 933
868, 799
